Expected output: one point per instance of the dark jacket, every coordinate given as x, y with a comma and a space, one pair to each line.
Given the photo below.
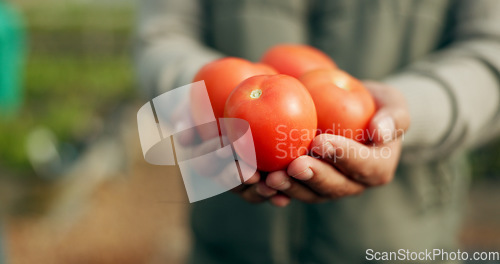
443, 55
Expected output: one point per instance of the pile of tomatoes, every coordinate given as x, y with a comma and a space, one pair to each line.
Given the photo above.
294, 93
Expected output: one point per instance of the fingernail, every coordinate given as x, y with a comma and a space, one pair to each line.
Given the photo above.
284, 185
279, 202
304, 175
264, 190
386, 128
327, 149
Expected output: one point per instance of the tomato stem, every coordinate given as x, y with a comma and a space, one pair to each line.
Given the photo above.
256, 93
341, 83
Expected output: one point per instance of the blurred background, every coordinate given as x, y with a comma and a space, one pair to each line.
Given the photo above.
74, 187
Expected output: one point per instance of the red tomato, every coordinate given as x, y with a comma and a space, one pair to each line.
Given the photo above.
281, 115
221, 77
343, 104
295, 59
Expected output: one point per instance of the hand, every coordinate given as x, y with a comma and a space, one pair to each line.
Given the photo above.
340, 167
255, 190
217, 167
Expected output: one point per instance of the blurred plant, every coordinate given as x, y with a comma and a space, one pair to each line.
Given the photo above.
78, 69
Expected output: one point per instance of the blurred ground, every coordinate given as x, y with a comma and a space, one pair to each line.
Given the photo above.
134, 217
482, 222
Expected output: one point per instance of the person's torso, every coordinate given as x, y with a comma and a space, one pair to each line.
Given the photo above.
368, 38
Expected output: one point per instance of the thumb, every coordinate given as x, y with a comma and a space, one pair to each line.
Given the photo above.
392, 118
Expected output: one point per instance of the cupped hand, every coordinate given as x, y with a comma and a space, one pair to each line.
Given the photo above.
340, 167
220, 167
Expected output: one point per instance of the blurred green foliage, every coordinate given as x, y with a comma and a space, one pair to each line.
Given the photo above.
78, 67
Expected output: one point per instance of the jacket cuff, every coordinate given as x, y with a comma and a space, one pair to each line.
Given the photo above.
431, 107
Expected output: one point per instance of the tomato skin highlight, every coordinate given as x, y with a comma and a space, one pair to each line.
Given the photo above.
296, 59
344, 106
221, 77
281, 115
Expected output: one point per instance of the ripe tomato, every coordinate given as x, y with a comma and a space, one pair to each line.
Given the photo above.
343, 104
295, 59
221, 77
281, 115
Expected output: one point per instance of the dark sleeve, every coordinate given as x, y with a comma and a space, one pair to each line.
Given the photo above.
454, 94
168, 44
